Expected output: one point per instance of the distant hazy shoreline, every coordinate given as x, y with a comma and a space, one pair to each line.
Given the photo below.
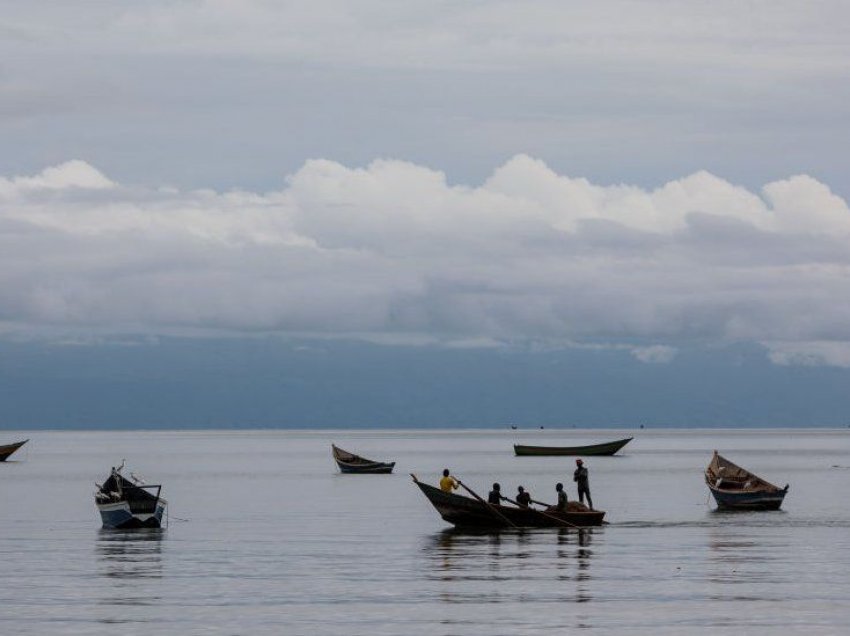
435, 430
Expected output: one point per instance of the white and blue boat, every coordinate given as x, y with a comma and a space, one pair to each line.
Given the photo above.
735, 488
123, 503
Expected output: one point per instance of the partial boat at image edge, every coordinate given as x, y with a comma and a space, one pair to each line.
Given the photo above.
8, 449
608, 448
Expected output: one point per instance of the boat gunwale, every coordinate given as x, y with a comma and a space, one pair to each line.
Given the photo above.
761, 486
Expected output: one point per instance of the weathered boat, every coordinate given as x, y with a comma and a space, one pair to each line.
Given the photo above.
351, 463
607, 448
466, 512
735, 488
8, 449
123, 503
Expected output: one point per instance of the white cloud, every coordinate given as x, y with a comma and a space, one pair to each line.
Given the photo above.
393, 252
71, 174
812, 354
656, 354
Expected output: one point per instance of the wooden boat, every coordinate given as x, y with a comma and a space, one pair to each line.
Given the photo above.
735, 488
608, 448
466, 512
8, 449
123, 503
351, 463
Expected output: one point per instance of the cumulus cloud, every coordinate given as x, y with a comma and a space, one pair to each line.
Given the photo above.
69, 175
392, 252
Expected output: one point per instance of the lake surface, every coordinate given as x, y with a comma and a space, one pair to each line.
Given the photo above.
266, 537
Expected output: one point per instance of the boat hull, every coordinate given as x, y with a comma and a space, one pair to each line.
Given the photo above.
8, 449
748, 500
356, 465
608, 448
464, 512
378, 468
118, 515
736, 488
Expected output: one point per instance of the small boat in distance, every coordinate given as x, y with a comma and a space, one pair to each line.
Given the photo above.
608, 448
8, 449
466, 512
735, 488
351, 463
129, 504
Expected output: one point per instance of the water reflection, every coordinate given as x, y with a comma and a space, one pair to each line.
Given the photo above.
537, 565
741, 563
126, 557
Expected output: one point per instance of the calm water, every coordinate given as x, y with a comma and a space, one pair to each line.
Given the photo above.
265, 537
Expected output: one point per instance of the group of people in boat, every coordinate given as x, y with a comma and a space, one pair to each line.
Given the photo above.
523, 497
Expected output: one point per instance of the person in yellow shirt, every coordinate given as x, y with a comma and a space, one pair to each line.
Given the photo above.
448, 483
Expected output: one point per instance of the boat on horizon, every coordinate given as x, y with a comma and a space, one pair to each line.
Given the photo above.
124, 504
7, 449
606, 448
351, 463
466, 512
736, 488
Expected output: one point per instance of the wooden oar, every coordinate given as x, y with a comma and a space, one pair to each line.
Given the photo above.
540, 512
490, 506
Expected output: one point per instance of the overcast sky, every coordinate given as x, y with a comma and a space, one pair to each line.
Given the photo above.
635, 175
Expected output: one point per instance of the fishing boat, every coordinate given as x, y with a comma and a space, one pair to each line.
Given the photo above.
735, 488
607, 448
467, 512
8, 449
351, 463
129, 503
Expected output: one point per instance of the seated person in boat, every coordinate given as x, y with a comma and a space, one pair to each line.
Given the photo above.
495, 496
561, 506
448, 483
523, 497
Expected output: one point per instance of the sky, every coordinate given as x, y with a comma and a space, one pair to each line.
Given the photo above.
622, 185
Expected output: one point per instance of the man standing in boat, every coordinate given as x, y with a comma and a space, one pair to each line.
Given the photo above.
448, 483
580, 476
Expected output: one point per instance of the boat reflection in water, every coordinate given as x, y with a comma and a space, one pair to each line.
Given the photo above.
742, 564
132, 560
515, 569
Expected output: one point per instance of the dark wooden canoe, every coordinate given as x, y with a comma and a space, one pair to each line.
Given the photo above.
8, 449
465, 512
351, 463
735, 488
608, 448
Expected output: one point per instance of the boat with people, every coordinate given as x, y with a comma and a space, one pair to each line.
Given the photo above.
351, 463
7, 449
606, 448
735, 488
129, 503
469, 512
